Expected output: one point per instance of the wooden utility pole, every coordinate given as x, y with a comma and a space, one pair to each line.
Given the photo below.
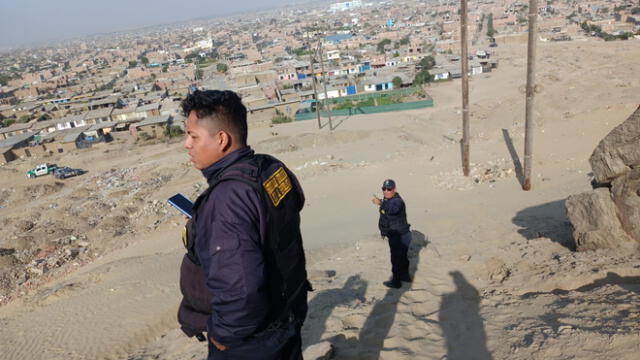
324, 83
313, 80
465, 88
531, 60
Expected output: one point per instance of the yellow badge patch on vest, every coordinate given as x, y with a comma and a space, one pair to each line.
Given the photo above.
381, 211
277, 186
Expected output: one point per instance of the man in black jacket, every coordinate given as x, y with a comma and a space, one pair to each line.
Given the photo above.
243, 278
393, 224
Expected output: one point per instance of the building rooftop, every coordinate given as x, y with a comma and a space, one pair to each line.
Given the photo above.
13, 140
98, 113
154, 106
154, 120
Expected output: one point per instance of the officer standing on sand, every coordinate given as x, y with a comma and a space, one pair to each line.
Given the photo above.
393, 224
243, 279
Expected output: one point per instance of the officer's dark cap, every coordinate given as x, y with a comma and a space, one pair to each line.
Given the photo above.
389, 184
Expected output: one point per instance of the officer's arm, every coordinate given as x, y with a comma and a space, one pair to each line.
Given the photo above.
234, 266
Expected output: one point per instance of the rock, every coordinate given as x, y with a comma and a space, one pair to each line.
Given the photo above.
610, 218
72, 252
25, 225
595, 222
563, 328
618, 151
497, 270
626, 196
319, 351
320, 274
35, 271
351, 322
4, 252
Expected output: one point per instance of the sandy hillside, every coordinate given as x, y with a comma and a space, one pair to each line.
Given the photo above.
90, 269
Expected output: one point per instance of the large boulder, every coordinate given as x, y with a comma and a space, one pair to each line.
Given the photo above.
594, 219
609, 216
618, 151
625, 191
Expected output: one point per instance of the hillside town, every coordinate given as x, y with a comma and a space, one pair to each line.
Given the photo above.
283, 62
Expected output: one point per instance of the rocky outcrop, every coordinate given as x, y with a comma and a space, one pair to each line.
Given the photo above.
625, 192
618, 151
609, 216
594, 219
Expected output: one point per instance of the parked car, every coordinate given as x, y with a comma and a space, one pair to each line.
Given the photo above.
42, 169
66, 172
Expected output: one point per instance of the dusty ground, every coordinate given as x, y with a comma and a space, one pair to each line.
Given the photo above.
89, 265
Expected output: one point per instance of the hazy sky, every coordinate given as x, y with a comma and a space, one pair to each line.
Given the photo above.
27, 21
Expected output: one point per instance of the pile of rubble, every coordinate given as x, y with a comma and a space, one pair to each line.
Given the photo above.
124, 178
24, 268
67, 249
108, 209
486, 173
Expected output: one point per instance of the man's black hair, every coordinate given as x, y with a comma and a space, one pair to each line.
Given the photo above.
222, 105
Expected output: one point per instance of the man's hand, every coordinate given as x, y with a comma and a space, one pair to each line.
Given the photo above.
218, 345
376, 200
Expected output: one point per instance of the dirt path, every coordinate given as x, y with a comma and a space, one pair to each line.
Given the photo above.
495, 277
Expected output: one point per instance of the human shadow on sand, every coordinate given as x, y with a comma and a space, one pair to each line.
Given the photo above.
461, 323
547, 220
324, 303
376, 327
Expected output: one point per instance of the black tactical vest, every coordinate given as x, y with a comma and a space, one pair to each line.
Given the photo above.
393, 225
283, 252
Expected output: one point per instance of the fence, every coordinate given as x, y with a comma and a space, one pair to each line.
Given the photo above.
378, 94
369, 109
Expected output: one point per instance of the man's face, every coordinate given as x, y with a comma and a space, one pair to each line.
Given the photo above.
388, 192
204, 149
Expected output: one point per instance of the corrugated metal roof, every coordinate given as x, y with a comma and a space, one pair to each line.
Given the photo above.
102, 125
73, 135
124, 110
70, 118
109, 100
15, 127
154, 120
13, 140
154, 106
98, 113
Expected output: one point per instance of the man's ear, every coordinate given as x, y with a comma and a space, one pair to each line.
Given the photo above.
224, 140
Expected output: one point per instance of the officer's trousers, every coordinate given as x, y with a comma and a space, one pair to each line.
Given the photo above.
278, 344
399, 246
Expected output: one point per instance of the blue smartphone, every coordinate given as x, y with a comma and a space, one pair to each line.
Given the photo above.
183, 204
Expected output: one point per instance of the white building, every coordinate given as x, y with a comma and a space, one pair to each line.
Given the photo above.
333, 54
204, 44
343, 6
